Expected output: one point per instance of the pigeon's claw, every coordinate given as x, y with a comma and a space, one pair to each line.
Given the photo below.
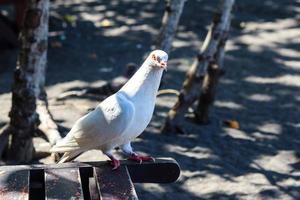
140, 158
115, 163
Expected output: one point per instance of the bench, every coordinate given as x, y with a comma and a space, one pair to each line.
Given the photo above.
88, 180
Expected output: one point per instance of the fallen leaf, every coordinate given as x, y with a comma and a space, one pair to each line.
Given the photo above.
232, 124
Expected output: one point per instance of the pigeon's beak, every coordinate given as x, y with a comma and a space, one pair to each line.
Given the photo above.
163, 64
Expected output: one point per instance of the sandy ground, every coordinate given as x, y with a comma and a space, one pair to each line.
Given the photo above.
93, 40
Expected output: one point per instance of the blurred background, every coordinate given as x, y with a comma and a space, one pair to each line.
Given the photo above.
249, 149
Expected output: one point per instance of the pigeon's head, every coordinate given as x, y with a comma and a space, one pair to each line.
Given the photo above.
159, 58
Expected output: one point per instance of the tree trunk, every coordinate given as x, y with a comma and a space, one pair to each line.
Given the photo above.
211, 79
208, 93
169, 24
191, 88
29, 78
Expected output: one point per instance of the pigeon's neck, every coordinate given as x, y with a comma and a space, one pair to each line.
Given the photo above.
144, 83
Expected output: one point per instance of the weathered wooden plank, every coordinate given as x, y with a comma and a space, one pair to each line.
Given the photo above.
114, 184
94, 192
14, 185
63, 183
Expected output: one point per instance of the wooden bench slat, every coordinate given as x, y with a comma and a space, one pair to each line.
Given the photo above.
87, 179
14, 184
63, 183
94, 192
114, 184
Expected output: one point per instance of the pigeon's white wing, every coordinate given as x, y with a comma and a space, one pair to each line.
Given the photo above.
107, 122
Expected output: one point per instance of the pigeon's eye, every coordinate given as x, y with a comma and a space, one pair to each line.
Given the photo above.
154, 57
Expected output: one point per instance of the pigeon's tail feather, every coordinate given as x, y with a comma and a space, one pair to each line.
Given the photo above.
63, 146
62, 149
69, 156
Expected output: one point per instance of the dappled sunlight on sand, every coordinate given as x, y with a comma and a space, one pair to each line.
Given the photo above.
286, 80
260, 97
259, 90
228, 104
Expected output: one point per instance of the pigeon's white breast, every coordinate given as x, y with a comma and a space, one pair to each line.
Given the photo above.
143, 114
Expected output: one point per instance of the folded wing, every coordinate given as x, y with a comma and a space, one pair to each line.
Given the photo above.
107, 122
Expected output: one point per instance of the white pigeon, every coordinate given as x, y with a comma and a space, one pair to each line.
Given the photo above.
120, 118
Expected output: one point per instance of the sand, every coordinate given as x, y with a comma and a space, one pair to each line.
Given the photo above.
260, 90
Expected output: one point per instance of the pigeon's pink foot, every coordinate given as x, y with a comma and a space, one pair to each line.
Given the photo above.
115, 163
140, 158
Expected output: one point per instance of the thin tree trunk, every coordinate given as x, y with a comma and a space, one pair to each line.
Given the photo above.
210, 82
191, 88
170, 21
189, 92
208, 93
29, 78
